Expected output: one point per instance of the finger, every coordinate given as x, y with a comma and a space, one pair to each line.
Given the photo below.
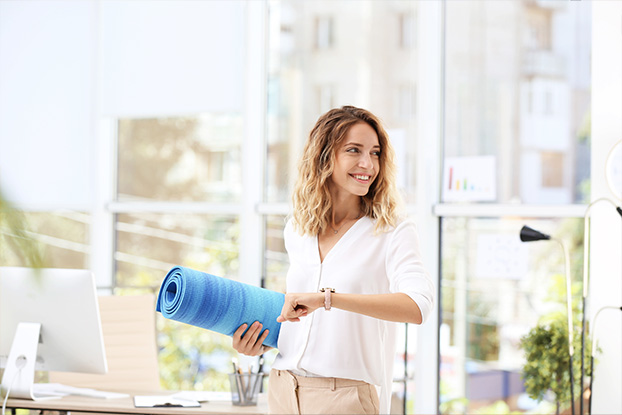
282, 319
288, 307
238, 333
256, 330
264, 336
247, 338
237, 336
259, 348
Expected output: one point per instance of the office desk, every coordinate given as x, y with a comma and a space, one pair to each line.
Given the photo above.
126, 406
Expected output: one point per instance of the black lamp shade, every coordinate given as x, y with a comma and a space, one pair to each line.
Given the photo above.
528, 235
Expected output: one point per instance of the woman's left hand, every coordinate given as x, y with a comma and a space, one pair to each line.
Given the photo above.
300, 305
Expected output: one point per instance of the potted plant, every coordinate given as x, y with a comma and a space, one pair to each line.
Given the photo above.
546, 368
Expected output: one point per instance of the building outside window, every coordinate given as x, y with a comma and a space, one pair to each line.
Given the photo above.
516, 95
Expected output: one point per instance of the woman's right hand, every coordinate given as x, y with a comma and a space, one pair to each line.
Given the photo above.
251, 344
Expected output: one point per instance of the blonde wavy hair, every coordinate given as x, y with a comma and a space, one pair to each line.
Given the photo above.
312, 201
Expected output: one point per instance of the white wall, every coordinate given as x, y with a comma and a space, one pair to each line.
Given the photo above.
46, 101
171, 57
606, 235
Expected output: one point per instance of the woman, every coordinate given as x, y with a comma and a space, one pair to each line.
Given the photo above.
355, 269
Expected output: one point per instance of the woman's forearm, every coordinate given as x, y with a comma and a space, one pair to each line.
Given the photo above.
397, 307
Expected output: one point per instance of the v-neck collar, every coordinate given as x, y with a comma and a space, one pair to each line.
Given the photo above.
346, 235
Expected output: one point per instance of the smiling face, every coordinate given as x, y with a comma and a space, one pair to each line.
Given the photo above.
357, 160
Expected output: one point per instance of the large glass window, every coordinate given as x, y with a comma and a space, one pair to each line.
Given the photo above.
495, 288
150, 244
517, 91
516, 133
276, 261
61, 237
324, 54
181, 161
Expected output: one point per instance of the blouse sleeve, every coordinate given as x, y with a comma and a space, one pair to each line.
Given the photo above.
405, 269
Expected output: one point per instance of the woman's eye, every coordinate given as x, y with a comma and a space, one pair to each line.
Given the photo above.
375, 153
353, 150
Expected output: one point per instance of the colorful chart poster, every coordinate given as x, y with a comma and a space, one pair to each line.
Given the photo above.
470, 179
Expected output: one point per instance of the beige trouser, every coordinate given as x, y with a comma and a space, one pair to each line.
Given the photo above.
290, 394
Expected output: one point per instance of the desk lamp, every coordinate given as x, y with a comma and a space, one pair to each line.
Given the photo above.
528, 234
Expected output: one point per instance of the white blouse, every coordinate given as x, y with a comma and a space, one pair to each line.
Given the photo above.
343, 344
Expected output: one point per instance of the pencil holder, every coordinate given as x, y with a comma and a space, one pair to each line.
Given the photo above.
245, 388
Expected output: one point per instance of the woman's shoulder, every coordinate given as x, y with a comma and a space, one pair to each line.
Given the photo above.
401, 223
402, 231
291, 231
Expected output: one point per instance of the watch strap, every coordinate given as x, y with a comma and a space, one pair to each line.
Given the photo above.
327, 297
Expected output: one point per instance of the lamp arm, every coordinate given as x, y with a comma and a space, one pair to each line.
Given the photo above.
593, 324
570, 325
568, 295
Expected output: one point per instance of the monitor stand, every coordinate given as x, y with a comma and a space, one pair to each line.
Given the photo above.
19, 373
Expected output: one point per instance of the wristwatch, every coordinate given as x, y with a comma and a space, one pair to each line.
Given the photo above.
327, 292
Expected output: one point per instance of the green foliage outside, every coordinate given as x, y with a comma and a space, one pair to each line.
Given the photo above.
497, 408
14, 236
453, 405
190, 358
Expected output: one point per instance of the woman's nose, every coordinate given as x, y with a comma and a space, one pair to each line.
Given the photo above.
365, 161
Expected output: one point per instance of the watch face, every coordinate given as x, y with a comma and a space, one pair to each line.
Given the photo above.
614, 170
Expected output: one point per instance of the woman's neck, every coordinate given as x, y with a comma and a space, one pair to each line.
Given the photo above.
345, 210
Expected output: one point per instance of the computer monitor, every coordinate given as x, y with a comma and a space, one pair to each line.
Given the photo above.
49, 320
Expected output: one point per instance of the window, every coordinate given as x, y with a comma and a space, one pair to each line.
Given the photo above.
539, 20
552, 169
148, 246
407, 30
180, 159
324, 32
497, 104
406, 101
325, 98
513, 94
494, 290
359, 70
62, 237
166, 165
276, 261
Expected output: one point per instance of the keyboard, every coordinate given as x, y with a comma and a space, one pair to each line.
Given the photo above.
58, 389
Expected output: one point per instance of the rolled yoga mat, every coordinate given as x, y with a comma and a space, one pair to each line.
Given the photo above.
218, 304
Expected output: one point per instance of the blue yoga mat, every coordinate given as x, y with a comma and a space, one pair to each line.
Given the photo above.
218, 304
